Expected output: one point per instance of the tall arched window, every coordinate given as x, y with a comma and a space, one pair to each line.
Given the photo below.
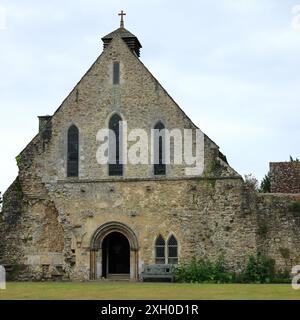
160, 257
159, 145
172, 250
73, 152
115, 147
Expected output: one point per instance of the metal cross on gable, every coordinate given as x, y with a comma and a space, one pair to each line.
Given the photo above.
122, 20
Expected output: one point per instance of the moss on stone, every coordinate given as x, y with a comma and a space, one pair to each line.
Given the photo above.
294, 207
18, 160
207, 183
262, 230
214, 168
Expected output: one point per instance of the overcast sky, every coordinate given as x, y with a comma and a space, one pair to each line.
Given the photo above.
232, 65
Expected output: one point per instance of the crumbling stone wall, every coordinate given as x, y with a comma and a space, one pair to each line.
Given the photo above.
278, 228
10, 243
285, 177
210, 216
206, 216
49, 219
29, 229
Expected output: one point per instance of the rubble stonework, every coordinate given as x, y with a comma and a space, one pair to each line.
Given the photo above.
52, 225
285, 177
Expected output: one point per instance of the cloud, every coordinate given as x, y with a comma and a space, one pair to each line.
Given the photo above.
3, 18
244, 6
231, 65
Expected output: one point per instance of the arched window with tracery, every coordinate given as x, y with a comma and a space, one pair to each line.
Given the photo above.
172, 250
160, 257
115, 146
73, 152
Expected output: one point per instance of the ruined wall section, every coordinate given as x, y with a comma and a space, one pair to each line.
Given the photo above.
206, 215
278, 228
285, 177
32, 237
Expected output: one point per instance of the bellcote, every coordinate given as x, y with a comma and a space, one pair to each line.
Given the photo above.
130, 39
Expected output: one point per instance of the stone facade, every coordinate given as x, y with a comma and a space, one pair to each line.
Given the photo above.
285, 177
54, 226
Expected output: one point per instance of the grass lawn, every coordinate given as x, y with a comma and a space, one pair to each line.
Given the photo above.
137, 291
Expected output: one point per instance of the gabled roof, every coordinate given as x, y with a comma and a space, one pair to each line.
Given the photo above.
130, 39
124, 33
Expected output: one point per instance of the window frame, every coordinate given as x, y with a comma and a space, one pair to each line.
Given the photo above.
172, 258
73, 143
116, 73
166, 258
160, 259
159, 169
116, 168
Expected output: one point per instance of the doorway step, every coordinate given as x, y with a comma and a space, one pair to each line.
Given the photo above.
118, 277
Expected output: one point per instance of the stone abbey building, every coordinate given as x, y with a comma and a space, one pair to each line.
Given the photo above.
68, 217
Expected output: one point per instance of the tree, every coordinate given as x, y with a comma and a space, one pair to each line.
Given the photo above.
292, 159
265, 185
251, 182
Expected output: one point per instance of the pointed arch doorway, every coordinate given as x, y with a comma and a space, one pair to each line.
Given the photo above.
114, 252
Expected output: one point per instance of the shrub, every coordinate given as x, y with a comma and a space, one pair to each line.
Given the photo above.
203, 270
282, 277
251, 182
259, 269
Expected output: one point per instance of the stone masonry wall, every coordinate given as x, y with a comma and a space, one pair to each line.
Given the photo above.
31, 238
206, 216
49, 220
285, 177
278, 228
54, 219
209, 218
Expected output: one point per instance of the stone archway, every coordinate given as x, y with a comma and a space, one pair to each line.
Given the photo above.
99, 257
115, 256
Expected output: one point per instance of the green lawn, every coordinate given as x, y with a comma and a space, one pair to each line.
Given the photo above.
119, 291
